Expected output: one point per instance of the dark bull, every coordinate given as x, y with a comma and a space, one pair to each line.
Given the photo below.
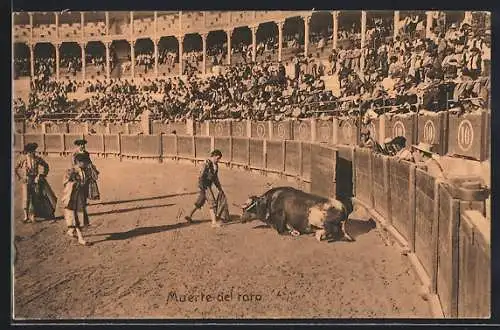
287, 209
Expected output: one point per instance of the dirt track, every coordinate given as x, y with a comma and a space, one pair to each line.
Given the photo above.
143, 253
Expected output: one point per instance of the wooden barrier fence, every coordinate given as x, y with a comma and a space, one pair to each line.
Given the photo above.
465, 135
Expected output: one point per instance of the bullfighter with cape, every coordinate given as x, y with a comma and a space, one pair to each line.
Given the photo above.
90, 170
208, 178
38, 198
76, 190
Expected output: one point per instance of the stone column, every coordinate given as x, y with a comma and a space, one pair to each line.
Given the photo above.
180, 38
335, 28
57, 24
468, 17
107, 23
56, 46
428, 25
132, 58
363, 28
31, 25
155, 26
156, 41
82, 23
254, 28
107, 44
204, 41
131, 24
307, 19
396, 23
82, 46
32, 60
363, 40
280, 38
229, 34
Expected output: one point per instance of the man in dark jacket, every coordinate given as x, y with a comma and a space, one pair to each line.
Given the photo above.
208, 177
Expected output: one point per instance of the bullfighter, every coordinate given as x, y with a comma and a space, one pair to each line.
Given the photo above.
208, 178
38, 198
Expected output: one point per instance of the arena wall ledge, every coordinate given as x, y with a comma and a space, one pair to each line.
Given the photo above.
442, 228
465, 135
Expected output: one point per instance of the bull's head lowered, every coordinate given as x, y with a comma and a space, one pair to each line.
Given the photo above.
254, 208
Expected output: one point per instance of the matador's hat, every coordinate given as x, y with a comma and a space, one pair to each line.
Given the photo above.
80, 142
30, 147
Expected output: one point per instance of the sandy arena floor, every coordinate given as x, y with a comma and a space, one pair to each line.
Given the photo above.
145, 262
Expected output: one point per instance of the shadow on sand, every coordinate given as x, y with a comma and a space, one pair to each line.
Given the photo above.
143, 199
233, 219
141, 231
356, 227
131, 209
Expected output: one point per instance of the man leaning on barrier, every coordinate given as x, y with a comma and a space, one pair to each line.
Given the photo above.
208, 178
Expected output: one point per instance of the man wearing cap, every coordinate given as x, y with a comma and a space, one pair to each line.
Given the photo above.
366, 140
399, 149
208, 178
424, 158
30, 178
80, 149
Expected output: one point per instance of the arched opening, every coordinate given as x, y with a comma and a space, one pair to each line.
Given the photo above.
192, 56
216, 49
267, 42
379, 28
168, 49
21, 60
70, 61
242, 38
349, 30
121, 59
144, 57
95, 59
453, 18
320, 34
411, 25
45, 60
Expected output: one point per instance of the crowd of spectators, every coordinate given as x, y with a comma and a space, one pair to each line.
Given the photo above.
402, 74
48, 98
21, 67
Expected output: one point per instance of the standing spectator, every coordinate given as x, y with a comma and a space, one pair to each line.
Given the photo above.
474, 63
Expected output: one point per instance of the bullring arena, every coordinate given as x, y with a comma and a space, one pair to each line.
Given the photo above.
422, 246
143, 251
